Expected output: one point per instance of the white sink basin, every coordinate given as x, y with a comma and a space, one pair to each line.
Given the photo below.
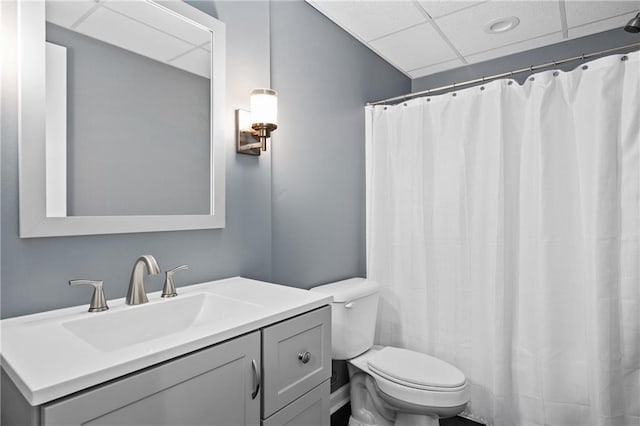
111, 331
56, 353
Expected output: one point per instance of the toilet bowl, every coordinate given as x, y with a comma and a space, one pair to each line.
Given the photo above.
389, 385
418, 388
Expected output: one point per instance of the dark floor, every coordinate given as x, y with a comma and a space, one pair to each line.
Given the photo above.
341, 418
458, 421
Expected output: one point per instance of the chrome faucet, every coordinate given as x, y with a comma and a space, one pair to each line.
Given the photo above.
137, 294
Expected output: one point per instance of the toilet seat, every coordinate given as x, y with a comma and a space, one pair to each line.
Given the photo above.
416, 370
409, 379
451, 397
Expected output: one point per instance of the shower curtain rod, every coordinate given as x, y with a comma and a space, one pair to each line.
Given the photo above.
504, 74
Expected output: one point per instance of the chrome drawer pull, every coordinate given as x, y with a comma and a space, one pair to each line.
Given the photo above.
256, 379
304, 356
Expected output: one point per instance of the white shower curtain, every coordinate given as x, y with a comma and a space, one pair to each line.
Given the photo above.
503, 225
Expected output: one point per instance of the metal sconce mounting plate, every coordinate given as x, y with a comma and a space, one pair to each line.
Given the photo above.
247, 141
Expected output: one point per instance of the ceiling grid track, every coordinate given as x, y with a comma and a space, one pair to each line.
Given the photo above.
84, 17
563, 19
442, 34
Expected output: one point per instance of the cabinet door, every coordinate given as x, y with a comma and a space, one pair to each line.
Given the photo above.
209, 387
311, 409
296, 356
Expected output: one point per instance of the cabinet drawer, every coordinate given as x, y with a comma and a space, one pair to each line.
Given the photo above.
286, 376
311, 409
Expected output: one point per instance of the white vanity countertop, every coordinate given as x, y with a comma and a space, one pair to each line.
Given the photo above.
47, 359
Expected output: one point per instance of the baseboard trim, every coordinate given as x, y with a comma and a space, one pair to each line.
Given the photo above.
339, 398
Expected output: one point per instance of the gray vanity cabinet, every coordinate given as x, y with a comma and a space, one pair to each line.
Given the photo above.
211, 387
276, 375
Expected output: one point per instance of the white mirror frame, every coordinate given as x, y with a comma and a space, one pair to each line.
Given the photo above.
34, 221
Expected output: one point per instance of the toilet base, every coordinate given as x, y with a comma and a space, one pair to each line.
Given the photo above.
403, 419
355, 422
408, 419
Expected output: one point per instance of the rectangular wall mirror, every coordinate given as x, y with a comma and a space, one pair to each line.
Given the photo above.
122, 107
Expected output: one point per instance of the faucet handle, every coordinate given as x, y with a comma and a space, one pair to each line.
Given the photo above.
98, 301
179, 268
169, 289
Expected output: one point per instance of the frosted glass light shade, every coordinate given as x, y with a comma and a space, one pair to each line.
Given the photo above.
264, 107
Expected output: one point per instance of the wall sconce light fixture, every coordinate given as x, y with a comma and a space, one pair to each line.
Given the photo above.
255, 127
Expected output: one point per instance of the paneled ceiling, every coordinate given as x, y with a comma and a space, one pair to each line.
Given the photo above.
139, 27
422, 37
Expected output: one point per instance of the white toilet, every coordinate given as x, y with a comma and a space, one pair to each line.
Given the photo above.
389, 386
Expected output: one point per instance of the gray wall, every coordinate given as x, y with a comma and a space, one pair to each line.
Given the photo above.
324, 77
35, 271
567, 49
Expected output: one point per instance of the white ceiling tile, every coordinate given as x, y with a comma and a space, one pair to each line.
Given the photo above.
599, 26
438, 8
415, 47
420, 50
197, 62
515, 48
371, 19
584, 12
443, 66
465, 29
161, 20
128, 34
66, 13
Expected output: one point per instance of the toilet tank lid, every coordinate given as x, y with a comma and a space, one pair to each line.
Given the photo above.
348, 290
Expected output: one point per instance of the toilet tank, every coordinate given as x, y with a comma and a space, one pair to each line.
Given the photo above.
353, 315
